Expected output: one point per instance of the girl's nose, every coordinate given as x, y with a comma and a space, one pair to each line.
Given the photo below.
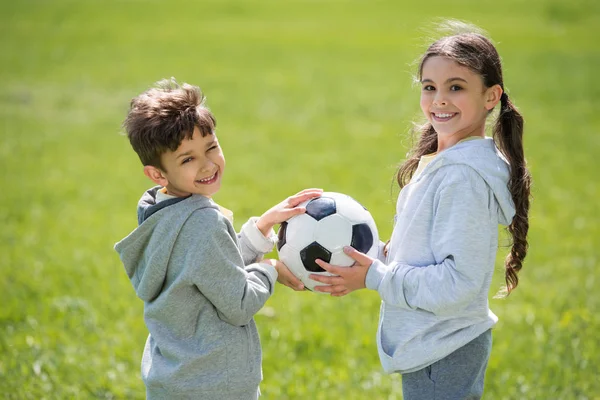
439, 100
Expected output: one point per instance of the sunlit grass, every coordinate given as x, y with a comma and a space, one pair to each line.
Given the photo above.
306, 94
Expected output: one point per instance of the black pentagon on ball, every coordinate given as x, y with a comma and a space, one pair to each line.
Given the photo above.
362, 237
312, 252
321, 207
281, 235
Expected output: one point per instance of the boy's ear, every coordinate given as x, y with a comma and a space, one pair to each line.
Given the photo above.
156, 175
493, 95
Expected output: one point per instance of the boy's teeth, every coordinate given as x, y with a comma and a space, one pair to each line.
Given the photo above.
207, 179
443, 115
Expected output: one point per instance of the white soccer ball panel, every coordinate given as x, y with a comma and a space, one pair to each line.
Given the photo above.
352, 210
291, 258
310, 284
300, 231
340, 259
333, 232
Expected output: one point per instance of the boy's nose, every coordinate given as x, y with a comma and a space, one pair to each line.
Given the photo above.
207, 166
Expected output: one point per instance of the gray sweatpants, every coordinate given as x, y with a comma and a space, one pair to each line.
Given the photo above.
458, 376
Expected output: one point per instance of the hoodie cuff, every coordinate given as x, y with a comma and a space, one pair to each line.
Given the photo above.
393, 290
272, 273
268, 271
257, 239
381, 256
375, 275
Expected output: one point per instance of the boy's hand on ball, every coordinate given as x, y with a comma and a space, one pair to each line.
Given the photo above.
346, 279
285, 276
285, 210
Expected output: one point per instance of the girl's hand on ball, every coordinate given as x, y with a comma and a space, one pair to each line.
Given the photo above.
386, 248
346, 279
285, 210
285, 277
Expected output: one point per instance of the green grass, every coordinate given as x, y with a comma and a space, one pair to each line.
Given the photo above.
306, 93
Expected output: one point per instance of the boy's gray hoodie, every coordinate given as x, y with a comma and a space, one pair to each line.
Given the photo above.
186, 263
441, 257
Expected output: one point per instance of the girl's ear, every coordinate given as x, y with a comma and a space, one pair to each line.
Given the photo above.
156, 175
492, 96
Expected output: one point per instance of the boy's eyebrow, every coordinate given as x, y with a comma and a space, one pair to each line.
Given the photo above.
456, 78
189, 152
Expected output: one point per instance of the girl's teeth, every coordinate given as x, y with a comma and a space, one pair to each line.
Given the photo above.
443, 115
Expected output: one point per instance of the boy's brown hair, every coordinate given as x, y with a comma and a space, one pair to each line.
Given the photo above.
160, 118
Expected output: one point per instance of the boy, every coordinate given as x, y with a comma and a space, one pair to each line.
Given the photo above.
201, 283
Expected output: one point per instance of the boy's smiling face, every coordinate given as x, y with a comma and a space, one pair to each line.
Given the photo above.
195, 167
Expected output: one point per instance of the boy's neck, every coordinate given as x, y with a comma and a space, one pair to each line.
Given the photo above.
162, 194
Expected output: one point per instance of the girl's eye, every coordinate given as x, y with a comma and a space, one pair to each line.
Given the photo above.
428, 88
213, 147
187, 160
455, 88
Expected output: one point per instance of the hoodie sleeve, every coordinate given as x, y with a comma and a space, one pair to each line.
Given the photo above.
460, 241
253, 244
217, 269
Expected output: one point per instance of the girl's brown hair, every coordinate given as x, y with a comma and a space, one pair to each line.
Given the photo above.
476, 52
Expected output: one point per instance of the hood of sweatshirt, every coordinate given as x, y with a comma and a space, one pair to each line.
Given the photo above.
145, 252
484, 157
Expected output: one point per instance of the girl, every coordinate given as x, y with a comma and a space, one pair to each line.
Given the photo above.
456, 187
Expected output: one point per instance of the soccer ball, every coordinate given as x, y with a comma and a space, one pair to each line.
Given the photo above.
331, 222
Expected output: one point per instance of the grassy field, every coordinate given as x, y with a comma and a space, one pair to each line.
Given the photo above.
306, 93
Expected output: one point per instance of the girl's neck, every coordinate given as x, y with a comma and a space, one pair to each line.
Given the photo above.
446, 142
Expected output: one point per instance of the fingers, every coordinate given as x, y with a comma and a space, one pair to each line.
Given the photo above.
334, 285
344, 279
292, 285
293, 282
304, 195
335, 290
329, 268
329, 280
294, 211
288, 213
309, 190
361, 258
342, 293
287, 278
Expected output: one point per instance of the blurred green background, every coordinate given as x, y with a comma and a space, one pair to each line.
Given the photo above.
306, 94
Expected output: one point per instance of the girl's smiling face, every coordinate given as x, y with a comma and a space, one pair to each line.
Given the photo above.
454, 100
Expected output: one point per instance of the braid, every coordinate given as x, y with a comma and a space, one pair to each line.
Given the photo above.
508, 134
474, 51
427, 144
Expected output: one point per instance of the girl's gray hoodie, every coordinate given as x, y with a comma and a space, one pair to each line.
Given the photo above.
435, 282
201, 287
